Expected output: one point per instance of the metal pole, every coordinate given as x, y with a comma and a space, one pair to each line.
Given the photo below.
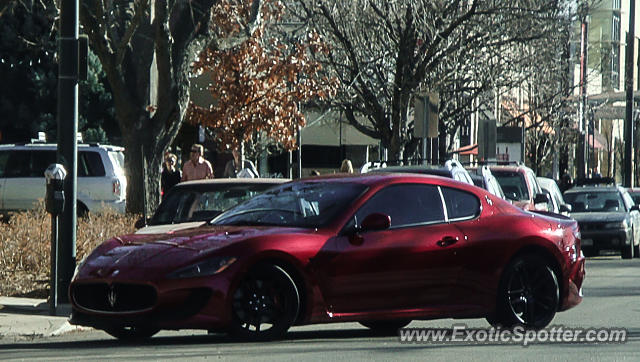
67, 139
53, 293
628, 82
299, 152
584, 165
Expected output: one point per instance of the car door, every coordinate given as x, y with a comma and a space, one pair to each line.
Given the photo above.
405, 266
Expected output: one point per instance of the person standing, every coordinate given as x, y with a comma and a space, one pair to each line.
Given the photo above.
239, 168
171, 175
197, 168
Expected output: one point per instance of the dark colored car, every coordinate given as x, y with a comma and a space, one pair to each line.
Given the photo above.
608, 219
520, 185
191, 203
451, 169
378, 249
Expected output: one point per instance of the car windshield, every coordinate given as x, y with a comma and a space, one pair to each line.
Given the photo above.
513, 185
636, 197
308, 204
185, 204
600, 201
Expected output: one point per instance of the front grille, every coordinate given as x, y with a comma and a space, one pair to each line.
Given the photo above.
116, 297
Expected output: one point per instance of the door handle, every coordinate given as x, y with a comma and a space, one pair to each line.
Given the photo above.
447, 240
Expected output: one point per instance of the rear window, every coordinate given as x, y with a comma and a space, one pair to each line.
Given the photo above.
600, 201
90, 164
513, 184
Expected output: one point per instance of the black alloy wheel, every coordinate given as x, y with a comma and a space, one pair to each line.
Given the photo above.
132, 334
388, 327
265, 304
528, 294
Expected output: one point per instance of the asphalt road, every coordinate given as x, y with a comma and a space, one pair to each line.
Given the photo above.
612, 300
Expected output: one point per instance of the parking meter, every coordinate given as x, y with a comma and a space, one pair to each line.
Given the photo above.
54, 199
54, 203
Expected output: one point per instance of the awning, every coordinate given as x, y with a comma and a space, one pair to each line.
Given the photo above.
468, 150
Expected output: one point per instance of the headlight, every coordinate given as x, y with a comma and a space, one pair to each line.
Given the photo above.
204, 268
616, 225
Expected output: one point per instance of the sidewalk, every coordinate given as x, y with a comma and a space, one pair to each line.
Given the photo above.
29, 318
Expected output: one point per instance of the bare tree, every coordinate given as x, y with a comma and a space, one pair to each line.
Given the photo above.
383, 52
128, 36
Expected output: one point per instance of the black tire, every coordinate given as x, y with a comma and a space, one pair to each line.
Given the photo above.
132, 334
627, 251
528, 294
265, 297
386, 328
589, 251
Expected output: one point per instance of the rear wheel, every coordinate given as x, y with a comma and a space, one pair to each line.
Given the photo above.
265, 304
389, 327
528, 294
132, 334
627, 251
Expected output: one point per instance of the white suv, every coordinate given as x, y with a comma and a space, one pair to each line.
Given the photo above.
101, 179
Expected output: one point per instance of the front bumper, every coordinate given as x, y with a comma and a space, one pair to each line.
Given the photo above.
606, 239
172, 307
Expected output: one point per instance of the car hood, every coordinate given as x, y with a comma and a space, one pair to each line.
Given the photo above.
598, 216
151, 255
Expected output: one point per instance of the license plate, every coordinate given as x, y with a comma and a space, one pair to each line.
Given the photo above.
587, 242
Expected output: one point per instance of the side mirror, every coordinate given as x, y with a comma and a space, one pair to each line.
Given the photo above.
375, 221
541, 198
565, 208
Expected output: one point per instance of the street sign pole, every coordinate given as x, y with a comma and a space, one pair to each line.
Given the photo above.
67, 139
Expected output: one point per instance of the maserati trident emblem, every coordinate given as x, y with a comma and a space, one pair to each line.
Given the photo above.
111, 297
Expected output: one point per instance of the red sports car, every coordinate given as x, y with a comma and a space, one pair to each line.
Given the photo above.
378, 249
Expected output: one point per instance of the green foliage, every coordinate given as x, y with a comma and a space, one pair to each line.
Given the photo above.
29, 74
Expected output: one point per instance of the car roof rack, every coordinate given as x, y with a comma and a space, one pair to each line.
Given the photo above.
596, 181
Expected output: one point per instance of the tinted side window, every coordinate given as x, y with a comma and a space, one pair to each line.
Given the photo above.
40, 160
90, 164
460, 204
18, 164
407, 204
4, 159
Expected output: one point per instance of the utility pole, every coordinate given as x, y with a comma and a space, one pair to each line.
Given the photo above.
582, 154
67, 139
628, 85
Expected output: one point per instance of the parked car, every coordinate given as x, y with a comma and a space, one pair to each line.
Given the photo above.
520, 185
558, 205
192, 203
101, 178
635, 194
378, 249
451, 169
483, 177
608, 219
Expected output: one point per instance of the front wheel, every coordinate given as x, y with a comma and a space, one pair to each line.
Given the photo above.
132, 334
265, 304
528, 294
